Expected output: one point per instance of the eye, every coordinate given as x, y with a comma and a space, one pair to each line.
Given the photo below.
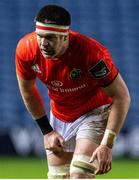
50, 37
39, 36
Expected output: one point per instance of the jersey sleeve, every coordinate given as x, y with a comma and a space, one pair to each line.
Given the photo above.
104, 70
23, 63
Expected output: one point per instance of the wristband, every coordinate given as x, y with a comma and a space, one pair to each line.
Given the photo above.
108, 138
44, 125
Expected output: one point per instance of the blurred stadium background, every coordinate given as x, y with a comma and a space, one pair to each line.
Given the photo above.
116, 25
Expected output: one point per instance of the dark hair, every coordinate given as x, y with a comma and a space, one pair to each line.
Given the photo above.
53, 14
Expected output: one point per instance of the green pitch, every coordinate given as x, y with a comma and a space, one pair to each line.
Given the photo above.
14, 167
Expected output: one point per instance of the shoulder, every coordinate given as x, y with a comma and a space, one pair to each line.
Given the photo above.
88, 48
27, 46
88, 43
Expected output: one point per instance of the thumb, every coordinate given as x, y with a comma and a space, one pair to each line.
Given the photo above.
61, 141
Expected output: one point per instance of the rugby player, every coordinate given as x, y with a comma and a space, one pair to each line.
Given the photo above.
89, 99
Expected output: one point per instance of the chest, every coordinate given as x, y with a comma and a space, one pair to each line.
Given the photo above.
64, 74
68, 75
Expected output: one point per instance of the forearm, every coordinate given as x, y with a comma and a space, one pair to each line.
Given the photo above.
33, 102
118, 114
116, 119
120, 106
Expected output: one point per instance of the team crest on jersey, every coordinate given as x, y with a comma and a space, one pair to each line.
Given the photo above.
100, 70
75, 73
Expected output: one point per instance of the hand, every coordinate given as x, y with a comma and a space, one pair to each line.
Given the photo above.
53, 141
103, 154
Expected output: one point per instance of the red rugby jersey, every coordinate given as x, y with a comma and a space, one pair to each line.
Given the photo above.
75, 79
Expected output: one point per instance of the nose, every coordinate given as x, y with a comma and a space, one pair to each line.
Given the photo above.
44, 42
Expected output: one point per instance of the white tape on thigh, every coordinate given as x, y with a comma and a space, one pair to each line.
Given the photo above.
59, 172
74, 169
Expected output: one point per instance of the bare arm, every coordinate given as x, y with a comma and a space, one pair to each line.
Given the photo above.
31, 97
120, 106
33, 102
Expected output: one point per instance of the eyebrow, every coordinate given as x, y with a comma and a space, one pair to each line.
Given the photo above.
46, 35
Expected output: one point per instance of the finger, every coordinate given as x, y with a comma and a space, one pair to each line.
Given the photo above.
99, 173
105, 166
100, 170
58, 149
54, 149
109, 167
46, 148
61, 141
100, 164
94, 156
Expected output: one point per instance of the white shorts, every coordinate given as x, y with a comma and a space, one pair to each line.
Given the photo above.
89, 126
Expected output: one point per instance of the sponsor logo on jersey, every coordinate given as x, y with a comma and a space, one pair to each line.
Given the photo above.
75, 73
100, 70
67, 90
36, 68
57, 83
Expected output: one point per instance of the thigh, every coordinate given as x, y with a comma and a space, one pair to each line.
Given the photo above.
89, 137
85, 146
59, 158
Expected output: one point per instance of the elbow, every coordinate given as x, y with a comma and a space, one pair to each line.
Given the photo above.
123, 99
128, 99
